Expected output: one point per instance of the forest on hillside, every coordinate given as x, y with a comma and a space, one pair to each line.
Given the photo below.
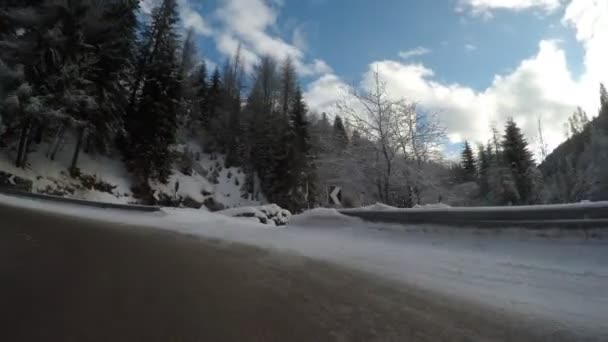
132, 86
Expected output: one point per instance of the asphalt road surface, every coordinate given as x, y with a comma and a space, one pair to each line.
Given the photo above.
68, 279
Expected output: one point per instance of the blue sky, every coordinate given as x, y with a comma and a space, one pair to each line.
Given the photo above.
350, 34
475, 62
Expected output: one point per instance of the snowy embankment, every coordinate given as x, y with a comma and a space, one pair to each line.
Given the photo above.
266, 214
560, 279
577, 215
106, 179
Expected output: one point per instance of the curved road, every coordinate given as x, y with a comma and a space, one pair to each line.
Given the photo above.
69, 279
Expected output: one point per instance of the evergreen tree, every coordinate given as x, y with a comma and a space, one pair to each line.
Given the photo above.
189, 112
115, 47
340, 138
484, 156
288, 85
517, 157
324, 123
74, 58
263, 119
603, 98
213, 99
152, 125
202, 94
232, 139
301, 174
468, 163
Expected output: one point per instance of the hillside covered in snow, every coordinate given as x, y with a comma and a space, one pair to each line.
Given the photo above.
205, 183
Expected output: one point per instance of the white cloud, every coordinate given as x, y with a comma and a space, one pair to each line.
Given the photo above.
298, 38
211, 65
540, 85
589, 18
419, 51
191, 18
249, 22
470, 47
147, 5
322, 94
485, 7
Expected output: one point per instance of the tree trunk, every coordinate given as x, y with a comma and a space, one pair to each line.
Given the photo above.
31, 136
23, 137
88, 145
57, 142
39, 133
73, 168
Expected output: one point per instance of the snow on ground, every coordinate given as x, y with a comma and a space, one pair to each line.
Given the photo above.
377, 207
222, 184
266, 214
210, 178
323, 217
562, 279
432, 206
47, 174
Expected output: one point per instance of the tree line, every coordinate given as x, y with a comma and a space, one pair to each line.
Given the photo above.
506, 173
96, 71
114, 80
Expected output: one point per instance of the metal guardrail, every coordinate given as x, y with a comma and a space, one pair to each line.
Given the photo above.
588, 215
95, 204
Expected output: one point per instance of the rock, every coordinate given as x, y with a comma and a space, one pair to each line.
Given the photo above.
191, 203
212, 205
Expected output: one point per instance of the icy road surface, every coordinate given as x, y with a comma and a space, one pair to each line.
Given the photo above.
556, 278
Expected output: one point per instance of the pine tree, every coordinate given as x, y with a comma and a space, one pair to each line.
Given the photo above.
80, 86
115, 42
301, 173
468, 163
264, 142
517, 157
230, 116
152, 125
213, 99
322, 135
484, 156
599, 143
201, 95
340, 138
288, 85
189, 112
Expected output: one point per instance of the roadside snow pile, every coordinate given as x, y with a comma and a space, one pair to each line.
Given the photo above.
432, 206
323, 217
378, 207
381, 206
265, 214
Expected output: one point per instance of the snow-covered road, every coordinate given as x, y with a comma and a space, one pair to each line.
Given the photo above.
558, 279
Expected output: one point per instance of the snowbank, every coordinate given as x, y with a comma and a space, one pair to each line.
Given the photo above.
432, 206
378, 206
266, 214
323, 217
381, 206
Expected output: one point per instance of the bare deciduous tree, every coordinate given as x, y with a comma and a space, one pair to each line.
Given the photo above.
402, 139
